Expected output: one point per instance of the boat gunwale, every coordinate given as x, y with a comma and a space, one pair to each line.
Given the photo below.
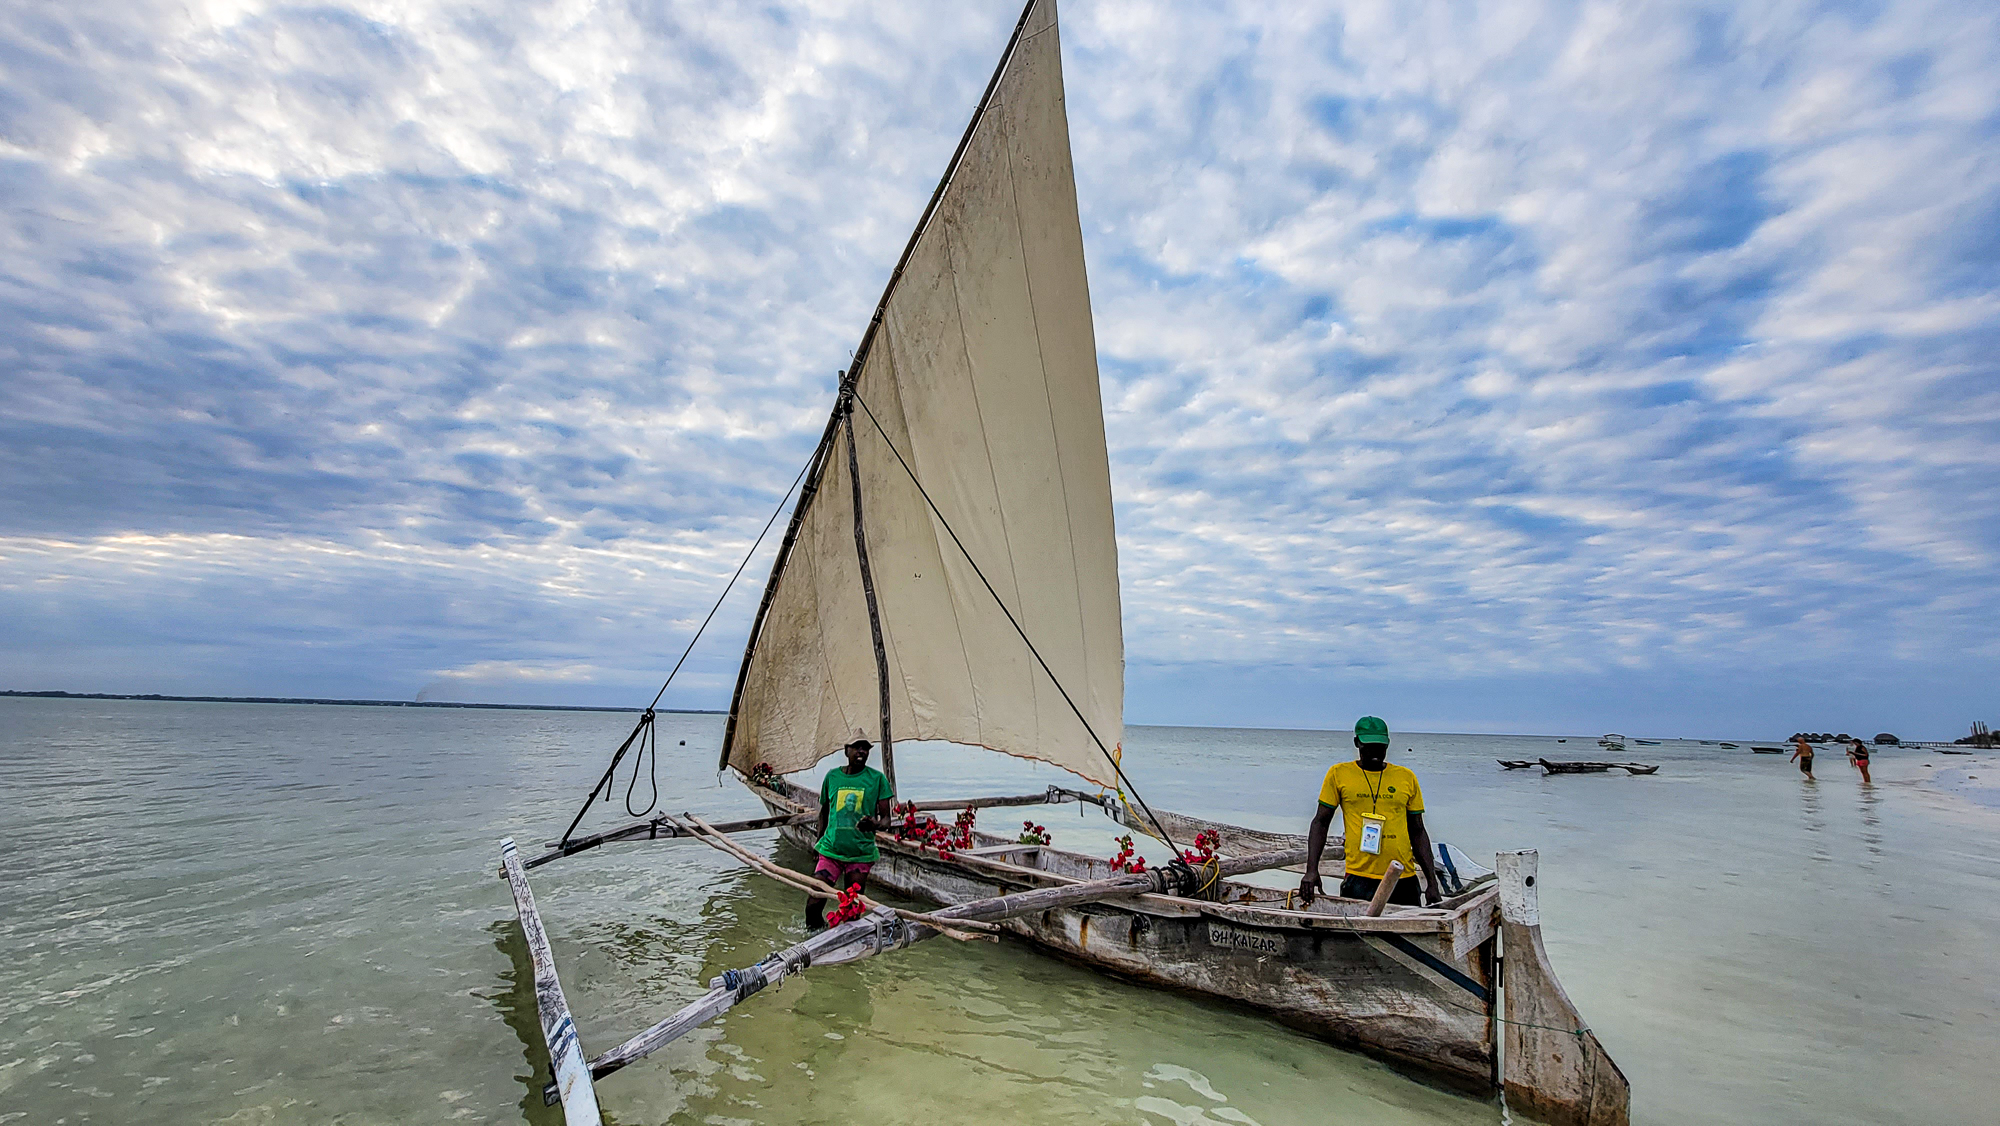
1441, 920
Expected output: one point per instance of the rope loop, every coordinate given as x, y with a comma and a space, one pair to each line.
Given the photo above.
648, 749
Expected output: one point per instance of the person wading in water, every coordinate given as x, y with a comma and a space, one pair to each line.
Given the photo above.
1802, 754
1857, 753
853, 800
1383, 810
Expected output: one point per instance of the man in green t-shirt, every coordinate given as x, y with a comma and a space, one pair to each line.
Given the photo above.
1383, 815
853, 800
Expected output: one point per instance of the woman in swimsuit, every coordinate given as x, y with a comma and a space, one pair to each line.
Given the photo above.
1857, 753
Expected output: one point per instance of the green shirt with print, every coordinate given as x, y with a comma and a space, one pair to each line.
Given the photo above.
848, 798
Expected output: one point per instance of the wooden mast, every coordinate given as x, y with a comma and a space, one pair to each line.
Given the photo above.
817, 468
868, 582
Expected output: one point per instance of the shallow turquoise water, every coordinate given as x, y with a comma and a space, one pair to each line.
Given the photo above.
262, 913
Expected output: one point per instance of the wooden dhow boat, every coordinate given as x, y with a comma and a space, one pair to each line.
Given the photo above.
948, 576
1588, 767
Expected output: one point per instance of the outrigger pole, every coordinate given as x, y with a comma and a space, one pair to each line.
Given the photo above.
572, 1084
665, 828
880, 931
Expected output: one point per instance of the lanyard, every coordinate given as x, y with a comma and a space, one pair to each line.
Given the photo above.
1375, 789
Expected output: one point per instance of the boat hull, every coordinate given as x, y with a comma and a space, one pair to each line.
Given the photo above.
1404, 996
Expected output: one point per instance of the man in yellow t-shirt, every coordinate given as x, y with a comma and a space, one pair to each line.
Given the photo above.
1383, 815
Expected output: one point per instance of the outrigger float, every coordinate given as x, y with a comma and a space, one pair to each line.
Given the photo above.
949, 575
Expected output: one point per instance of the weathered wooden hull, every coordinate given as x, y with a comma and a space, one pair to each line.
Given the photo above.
1392, 987
1415, 987
1355, 990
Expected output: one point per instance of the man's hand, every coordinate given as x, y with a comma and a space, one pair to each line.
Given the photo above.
1431, 896
866, 825
1309, 888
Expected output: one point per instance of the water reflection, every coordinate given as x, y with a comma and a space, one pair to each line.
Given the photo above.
1815, 820
515, 1000
1871, 824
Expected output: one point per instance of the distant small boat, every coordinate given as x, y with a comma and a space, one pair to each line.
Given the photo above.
1514, 763
1731, 746
1768, 750
1647, 742
1597, 767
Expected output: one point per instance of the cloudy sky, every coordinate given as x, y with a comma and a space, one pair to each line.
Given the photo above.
1539, 367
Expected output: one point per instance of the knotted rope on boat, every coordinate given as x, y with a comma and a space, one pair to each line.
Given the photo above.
753, 979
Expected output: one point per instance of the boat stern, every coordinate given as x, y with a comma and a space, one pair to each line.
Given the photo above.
1552, 1066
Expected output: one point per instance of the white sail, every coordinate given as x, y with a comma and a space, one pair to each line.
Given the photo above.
983, 374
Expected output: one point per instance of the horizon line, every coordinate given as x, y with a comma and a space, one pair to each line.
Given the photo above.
52, 694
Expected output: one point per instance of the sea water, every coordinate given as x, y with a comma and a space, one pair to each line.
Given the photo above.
233, 913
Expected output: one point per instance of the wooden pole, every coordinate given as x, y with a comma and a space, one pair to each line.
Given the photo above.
1055, 796
813, 885
1385, 889
661, 828
604, 783
878, 932
572, 1078
868, 582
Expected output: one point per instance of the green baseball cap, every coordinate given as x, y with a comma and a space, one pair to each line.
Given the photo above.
1369, 729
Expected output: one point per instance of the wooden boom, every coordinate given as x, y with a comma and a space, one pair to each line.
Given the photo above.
661, 828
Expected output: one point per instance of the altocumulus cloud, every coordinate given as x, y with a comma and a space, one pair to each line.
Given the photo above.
1544, 366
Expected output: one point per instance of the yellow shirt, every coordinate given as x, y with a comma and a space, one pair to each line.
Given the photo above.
1392, 794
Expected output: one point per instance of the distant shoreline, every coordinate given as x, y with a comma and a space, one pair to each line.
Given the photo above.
351, 703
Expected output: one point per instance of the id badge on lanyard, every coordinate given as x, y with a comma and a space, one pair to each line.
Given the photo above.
1371, 834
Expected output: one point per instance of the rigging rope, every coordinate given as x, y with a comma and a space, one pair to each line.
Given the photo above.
1000, 602
649, 742
643, 732
775, 513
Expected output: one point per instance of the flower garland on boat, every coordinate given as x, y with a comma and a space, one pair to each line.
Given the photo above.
1206, 843
850, 906
1033, 834
764, 776
926, 831
1125, 861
